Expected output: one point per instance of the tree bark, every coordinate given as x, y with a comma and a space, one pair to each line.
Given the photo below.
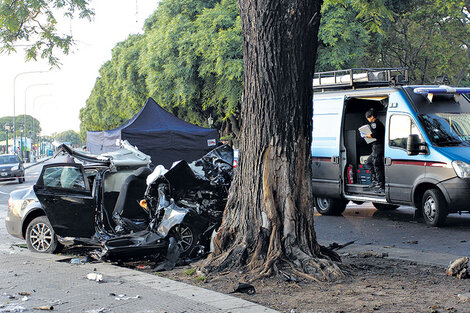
268, 220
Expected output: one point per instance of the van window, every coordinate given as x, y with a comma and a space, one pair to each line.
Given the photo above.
447, 129
401, 126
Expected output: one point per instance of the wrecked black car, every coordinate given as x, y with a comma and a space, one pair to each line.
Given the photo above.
185, 203
114, 201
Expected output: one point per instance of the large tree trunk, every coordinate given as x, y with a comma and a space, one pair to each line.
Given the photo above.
268, 221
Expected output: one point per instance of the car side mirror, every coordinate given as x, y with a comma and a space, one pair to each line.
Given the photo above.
414, 145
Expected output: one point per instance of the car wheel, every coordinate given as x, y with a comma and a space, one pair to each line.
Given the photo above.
434, 207
385, 206
40, 237
329, 206
185, 236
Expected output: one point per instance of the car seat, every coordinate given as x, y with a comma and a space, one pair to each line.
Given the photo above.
127, 212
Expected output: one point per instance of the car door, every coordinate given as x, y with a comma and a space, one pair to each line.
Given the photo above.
402, 170
66, 197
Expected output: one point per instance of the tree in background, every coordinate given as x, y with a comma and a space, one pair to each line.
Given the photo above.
33, 23
69, 136
189, 59
428, 37
32, 129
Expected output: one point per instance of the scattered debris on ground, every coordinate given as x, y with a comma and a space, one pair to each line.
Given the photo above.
459, 268
375, 284
95, 276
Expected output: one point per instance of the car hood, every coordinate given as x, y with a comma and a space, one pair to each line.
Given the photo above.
456, 153
8, 165
128, 155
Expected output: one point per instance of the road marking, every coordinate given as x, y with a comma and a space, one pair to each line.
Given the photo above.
5, 193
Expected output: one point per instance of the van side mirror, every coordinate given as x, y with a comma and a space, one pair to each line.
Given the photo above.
414, 146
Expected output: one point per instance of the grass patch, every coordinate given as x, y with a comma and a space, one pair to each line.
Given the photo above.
190, 271
201, 279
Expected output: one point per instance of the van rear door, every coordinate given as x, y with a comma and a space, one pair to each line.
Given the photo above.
326, 167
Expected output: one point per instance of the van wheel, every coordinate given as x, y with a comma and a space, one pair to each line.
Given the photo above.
384, 206
434, 207
40, 237
329, 206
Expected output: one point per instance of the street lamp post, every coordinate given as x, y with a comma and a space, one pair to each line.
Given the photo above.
14, 100
21, 144
34, 108
7, 128
25, 100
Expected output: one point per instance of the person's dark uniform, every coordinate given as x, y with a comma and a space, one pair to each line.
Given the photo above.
375, 162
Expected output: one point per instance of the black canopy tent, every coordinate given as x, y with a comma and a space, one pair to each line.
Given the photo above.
159, 134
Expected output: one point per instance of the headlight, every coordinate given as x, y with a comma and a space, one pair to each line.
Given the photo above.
462, 169
14, 168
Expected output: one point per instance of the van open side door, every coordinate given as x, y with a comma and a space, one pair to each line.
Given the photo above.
326, 139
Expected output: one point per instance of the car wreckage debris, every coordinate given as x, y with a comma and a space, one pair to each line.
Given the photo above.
245, 288
184, 206
95, 276
459, 268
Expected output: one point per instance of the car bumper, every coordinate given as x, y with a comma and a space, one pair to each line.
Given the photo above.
13, 223
457, 190
11, 175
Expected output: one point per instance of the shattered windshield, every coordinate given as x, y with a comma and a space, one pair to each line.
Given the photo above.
447, 129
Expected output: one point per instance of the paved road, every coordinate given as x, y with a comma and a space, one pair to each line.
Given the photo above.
399, 230
32, 280
31, 176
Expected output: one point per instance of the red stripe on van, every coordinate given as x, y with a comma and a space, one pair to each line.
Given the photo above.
321, 159
418, 163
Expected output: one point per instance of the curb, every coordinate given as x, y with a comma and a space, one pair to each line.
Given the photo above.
38, 162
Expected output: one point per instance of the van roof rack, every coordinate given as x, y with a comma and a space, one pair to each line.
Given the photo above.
360, 77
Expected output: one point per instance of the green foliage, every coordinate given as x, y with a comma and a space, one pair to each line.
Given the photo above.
34, 21
189, 60
431, 38
189, 271
190, 57
69, 136
33, 127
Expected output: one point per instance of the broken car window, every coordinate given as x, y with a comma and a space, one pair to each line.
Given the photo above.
69, 177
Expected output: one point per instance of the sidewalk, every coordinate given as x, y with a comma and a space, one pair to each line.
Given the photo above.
65, 287
41, 160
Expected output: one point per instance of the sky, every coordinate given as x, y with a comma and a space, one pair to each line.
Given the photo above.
55, 97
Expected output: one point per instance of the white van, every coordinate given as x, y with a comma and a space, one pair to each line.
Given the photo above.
426, 144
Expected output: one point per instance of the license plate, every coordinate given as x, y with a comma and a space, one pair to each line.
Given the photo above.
4, 174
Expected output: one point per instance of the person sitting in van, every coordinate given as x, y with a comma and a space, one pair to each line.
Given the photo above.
375, 162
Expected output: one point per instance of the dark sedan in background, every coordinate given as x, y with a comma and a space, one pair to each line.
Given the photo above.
11, 168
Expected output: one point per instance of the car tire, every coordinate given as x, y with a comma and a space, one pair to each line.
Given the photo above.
434, 208
385, 206
40, 237
186, 236
329, 206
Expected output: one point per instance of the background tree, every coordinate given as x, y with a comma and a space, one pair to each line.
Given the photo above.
33, 22
189, 59
69, 136
32, 129
268, 220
